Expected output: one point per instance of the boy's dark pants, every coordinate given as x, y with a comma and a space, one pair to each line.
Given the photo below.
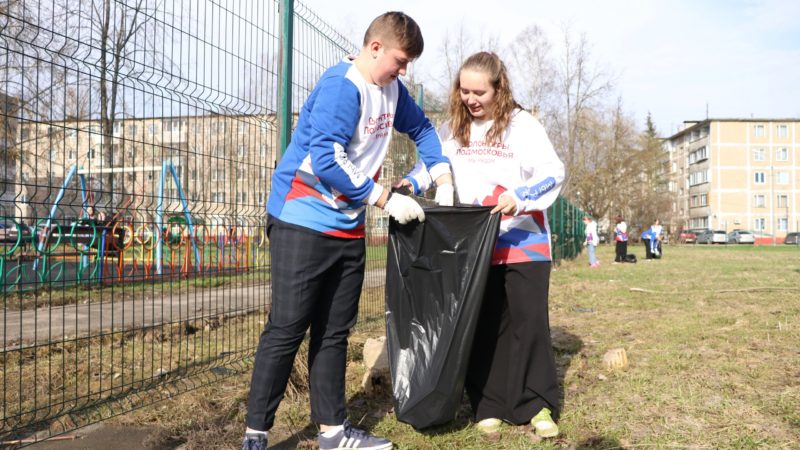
316, 281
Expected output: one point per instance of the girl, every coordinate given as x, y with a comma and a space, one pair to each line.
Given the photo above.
501, 156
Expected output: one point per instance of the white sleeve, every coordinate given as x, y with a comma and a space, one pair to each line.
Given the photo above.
544, 168
420, 178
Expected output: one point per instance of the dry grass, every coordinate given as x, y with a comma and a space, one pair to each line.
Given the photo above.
712, 346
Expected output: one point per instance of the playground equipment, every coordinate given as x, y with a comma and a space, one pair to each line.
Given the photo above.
79, 227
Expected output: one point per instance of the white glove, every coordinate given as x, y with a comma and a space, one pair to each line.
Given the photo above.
403, 208
444, 195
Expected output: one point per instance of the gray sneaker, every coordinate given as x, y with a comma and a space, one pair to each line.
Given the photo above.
254, 441
351, 439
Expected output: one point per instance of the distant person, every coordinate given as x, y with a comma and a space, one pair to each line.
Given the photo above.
621, 240
652, 238
316, 225
591, 241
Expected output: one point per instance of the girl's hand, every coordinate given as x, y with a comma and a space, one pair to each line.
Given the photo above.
505, 205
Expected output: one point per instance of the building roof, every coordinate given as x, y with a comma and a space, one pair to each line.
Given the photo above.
693, 124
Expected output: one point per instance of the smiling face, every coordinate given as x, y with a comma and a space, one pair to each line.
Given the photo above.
477, 93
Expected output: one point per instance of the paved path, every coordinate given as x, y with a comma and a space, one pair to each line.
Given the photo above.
52, 324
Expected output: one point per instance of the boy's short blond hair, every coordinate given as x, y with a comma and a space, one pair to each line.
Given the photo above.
398, 30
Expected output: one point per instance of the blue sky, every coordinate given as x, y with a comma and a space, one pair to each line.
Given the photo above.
671, 58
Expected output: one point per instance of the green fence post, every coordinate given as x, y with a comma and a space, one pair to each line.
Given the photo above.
285, 99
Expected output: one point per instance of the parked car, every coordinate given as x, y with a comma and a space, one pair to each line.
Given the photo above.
687, 237
741, 237
792, 238
712, 237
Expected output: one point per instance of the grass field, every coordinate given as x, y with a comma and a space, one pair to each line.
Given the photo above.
711, 335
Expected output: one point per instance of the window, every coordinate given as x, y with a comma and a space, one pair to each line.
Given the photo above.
243, 127
260, 198
782, 154
220, 127
759, 224
132, 130
698, 200
90, 155
262, 151
153, 129
53, 154
115, 153
759, 178
760, 201
241, 174
173, 125
701, 154
758, 130
782, 178
758, 154
783, 224
783, 131
193, 175
783, 201
242, 150
71, 155
699, 177
241, 197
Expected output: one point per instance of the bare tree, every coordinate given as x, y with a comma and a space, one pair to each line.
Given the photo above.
457, 46
534, 72
650, 197
120, 41
581, 88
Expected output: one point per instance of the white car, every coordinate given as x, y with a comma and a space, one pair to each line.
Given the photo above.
709, 236
741, 237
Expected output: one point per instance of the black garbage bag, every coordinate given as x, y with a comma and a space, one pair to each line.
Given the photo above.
435, 279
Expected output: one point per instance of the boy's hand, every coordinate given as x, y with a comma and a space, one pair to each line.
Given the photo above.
403, 208
444, 195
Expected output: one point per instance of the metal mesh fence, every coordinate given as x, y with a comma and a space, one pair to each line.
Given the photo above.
137, 143
138, 140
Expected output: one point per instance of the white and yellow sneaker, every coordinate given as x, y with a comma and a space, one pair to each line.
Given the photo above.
489, 426
544, 425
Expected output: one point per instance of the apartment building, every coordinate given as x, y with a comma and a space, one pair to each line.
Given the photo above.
736, 174
223, 165
8, 154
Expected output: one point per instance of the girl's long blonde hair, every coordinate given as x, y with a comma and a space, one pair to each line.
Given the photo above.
504, 103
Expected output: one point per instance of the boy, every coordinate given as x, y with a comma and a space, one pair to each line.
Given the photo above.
316, 208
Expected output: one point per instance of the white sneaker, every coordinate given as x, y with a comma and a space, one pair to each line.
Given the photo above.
489, 426
544, 425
